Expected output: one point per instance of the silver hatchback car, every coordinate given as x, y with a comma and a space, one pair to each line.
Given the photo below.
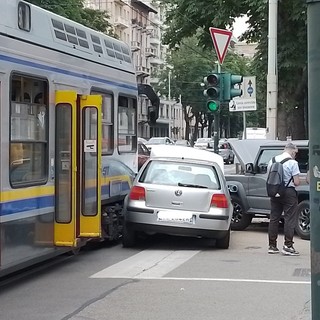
179, 196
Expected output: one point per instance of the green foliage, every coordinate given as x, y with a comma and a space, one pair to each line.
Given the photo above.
189, 17
75, 10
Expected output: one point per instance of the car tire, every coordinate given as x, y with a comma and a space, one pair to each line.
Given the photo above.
240, 220
223, 243
303, 216
128, 236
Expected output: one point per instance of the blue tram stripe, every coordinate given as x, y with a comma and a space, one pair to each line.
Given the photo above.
66, 72
23, 205
17, 206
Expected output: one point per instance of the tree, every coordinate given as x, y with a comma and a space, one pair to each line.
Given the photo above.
188, 18
189, 67
75, 10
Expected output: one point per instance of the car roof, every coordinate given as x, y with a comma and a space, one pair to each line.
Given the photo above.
246, 150
182, 152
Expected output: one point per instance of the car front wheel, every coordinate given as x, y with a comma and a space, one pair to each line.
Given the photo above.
240, 220
128, 236
303, 223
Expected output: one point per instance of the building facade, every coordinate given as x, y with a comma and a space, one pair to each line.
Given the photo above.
140, 23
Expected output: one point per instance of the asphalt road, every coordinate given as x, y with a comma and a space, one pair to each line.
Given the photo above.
167, 278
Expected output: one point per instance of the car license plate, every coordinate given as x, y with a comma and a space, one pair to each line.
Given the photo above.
173, 216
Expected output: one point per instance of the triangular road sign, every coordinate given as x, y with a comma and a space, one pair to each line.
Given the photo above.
221, 39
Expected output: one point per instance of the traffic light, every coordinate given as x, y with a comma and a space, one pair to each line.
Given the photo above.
230, 80
214, 91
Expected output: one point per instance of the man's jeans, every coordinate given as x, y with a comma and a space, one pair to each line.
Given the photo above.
288, 205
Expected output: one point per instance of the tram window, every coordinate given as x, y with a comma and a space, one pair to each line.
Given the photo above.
28, 131
117, 47
119, 56
107, 122
60, 35
83, 43
95, 39
57, 24
24, 20
108, 44
111, 53
69, 29
127, 59
81, 33
127, 129
125, 50
72, 39
97, 49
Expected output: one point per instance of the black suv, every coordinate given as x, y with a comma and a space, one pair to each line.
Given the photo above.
248, 186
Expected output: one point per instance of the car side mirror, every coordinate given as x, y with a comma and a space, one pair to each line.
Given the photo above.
249, 168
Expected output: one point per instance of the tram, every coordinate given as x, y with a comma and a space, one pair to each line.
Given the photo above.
68, 134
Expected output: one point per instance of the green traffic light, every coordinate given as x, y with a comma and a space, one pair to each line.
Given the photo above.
213, 105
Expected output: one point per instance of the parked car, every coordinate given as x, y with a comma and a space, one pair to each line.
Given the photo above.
248, 187
158, 140
182, 142
226, 152
143, 153
204, 143
179, 196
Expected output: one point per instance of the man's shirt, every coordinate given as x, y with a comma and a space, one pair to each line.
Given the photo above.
290, 168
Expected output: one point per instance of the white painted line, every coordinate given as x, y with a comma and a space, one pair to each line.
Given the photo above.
147, 264
228, 280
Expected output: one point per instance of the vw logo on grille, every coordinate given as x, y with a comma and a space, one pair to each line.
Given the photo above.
178, 193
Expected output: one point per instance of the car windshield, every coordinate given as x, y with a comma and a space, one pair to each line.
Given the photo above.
156, 141
180, 174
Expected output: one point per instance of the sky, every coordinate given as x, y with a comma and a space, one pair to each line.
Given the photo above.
239, 26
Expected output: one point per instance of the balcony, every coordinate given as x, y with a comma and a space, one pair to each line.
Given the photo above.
142, 71
149, 29
136, 24
150, 52
135, 46
156, 61
154, 38
120, 2
121, 23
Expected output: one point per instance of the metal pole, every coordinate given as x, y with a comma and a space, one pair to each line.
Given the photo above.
169, 102
272, 78
314, 148
244, 125
217, 123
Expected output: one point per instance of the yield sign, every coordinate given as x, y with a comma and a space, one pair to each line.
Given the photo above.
221, 39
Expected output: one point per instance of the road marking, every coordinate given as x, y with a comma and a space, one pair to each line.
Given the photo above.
147, 264
227, 280
155, 264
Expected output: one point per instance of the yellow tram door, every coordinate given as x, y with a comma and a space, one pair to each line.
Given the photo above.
89, 175
77, 168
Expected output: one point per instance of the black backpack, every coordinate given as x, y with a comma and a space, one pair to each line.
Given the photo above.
275, 183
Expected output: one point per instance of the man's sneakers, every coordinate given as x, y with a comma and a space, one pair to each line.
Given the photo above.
287, 251
273, 250
290, 251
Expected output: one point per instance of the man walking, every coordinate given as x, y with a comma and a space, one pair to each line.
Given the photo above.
286, 203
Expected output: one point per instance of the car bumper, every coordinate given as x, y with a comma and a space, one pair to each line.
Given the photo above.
203, 224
